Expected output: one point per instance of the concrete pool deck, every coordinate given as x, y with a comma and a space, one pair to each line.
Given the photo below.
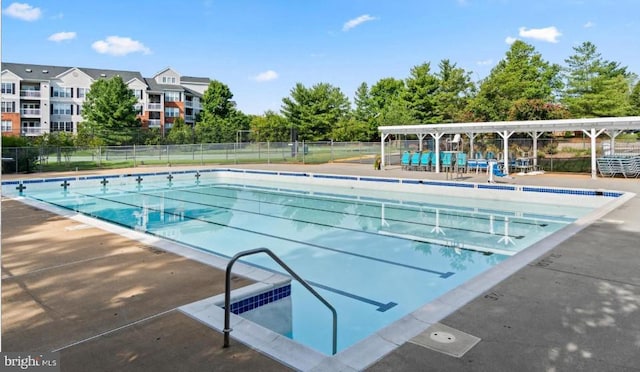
109, 303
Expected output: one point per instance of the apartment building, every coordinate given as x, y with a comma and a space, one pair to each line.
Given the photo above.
38, 99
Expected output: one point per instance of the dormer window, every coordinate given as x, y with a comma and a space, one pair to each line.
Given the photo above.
27, 69
168, 79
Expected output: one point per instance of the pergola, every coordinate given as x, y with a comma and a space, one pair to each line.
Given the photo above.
593, 127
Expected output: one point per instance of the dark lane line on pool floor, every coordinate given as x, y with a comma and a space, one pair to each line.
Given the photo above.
443, 275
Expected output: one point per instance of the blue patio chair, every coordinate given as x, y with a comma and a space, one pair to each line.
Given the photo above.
415, 160
425, 158
461, 162
447, 161
405, 161
472, 164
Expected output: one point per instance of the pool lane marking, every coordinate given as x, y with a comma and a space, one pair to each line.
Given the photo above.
318, 209
441, 274
381, 307
403, 207
375, 233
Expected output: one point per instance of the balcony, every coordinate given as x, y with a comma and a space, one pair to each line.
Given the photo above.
31, 131
189, 117
154, 123
154, 106
29, 93
30, 112
188, 104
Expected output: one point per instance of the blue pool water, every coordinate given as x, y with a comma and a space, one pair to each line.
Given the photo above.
374, 255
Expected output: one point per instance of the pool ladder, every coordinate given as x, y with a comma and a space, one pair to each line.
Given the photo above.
227, 293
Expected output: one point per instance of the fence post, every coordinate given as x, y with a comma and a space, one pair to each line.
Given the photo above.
134, 155
17, 159
331, 150
201, 154
168, 158
303, 145
268, 152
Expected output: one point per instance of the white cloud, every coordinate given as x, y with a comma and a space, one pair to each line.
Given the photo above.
484, 62
352, 23
119, 46
549, 34
589, 24
266, 76
61, 36
23, 11
510, 40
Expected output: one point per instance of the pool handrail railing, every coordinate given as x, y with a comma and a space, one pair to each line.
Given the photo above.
227, 293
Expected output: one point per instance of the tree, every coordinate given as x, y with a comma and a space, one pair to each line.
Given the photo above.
180, 133
388, 103
421, 86
108, 112
455, 89
270, 127
537, 109
595, 87
351, 129
219, 119
521, 74
634, 100
314, 112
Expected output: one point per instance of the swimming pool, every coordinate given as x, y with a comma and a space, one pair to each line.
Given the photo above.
376, 248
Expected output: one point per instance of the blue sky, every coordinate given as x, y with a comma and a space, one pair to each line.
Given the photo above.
262, 48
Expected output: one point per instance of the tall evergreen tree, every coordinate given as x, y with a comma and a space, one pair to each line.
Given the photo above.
595, 87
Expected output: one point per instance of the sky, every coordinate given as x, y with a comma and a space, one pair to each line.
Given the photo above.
262, 48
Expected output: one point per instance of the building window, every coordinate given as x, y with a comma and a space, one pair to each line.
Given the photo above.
61, 109
61, 126
62, 92
137, 93
82, 92
7, 126
168, 80
8, 107
79, 109
172, 96
8, 88
171, 112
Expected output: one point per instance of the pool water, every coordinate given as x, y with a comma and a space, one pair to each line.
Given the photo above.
373, 255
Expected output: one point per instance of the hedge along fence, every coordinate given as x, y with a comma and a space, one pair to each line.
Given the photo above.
579, 164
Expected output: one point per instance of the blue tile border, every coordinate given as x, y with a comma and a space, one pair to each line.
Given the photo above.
261, 299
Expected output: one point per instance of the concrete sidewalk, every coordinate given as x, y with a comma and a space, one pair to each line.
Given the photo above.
108, 303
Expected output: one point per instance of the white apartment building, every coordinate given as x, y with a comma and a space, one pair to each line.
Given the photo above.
38, 99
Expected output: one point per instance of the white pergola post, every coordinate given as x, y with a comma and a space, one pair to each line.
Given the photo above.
420, 138
613, 134
535, 135
505, 149
382, 139
593, 135
436, 137
472, 137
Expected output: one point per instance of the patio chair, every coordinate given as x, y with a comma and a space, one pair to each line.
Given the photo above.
461, 163
405, 161
415, 160
425, 158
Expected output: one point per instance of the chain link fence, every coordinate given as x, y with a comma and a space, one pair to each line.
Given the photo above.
553, 154
45, 159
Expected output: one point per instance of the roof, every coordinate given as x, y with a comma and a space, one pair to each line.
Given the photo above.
27, 71
193, 79
608, 123
97, 73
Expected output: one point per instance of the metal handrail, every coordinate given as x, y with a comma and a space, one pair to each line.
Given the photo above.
227, 293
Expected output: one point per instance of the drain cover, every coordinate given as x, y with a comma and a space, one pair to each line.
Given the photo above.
445, 339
